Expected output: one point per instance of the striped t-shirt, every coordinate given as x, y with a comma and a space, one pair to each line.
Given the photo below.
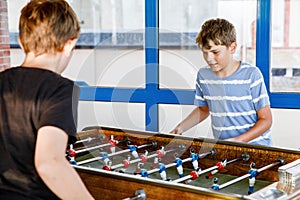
233, 101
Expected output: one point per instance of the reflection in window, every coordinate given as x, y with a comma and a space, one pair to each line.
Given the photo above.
285, 52
112, 32
115, 30
107, 23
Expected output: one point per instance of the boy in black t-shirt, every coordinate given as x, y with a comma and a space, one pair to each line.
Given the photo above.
38, 108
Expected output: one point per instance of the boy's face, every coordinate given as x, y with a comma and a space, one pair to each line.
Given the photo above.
218, 57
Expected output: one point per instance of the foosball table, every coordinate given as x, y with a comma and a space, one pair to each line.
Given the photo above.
127, 164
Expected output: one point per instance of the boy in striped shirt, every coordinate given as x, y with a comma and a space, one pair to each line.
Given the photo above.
232, 92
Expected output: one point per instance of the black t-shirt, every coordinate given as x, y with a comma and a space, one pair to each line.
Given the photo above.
31, 98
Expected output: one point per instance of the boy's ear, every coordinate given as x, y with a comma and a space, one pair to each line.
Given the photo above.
69, 46
233, 47
20, 43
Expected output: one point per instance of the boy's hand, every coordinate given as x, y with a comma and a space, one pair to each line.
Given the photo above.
232, 140
177, 130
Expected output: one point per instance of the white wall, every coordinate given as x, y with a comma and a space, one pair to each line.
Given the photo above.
104, 68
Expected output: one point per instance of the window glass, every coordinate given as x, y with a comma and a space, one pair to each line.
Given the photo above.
179, 24
285, 52
111, 114
115, 28
110, 45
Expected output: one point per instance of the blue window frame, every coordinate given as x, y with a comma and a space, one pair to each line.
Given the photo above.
263, 49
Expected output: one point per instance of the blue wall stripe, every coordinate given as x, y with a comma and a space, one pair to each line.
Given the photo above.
112, 94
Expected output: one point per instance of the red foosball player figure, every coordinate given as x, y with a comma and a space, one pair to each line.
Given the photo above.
161, 152
253, 173
138, 168
194, 175
126, 162
144, 157
108, 166
71, 153
220, 166
155, 163
113, 144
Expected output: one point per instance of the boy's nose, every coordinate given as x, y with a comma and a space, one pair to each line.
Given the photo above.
210, 56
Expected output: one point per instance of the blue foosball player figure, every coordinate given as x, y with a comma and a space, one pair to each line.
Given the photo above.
73, 161
179, 168
253, 173
133, 150
144, 173
104, 157
162, 171
195, 158
215, 185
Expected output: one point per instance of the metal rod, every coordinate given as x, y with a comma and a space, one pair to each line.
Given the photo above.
85, 140
247, 175
111, 154
203, 171
183, 161
132, 161
92, 148
139, 159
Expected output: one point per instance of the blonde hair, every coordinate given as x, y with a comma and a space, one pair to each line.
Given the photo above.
46, 25
220, 31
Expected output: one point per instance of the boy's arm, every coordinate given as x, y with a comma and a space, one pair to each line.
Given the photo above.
263, 124
53, 167
195, 117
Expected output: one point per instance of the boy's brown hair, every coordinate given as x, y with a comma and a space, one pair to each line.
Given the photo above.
220, 31
46, 25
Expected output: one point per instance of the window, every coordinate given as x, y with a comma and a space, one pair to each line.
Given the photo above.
285, 47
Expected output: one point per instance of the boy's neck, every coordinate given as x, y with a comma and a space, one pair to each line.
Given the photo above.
229, 70
44, 61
